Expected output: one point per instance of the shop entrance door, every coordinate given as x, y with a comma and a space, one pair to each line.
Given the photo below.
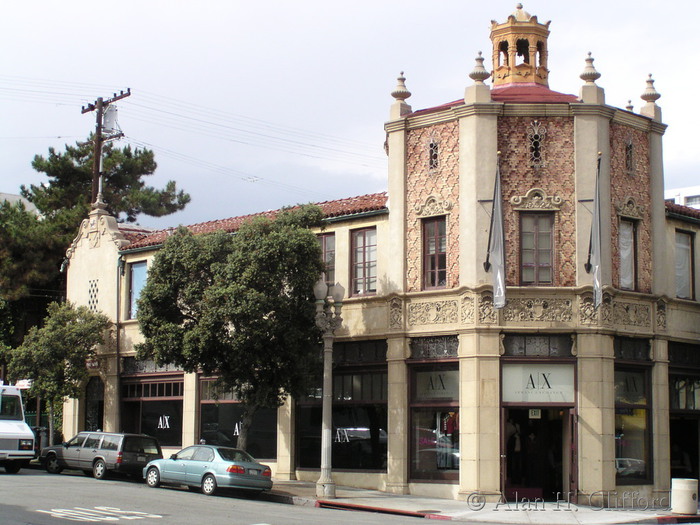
684, 446
538, 453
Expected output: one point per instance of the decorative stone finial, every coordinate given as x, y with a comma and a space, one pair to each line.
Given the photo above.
650, 94
629, 106
590, 74
400, 93
521, 15
479, 73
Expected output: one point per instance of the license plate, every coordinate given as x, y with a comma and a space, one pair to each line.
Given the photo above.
253, 471
141, 458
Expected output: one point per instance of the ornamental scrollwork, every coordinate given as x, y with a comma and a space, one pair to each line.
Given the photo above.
395, 314
661, 314
467, 309
539, 309
438, 312
629, 209
536, 199
587, 311
487, 313
433, 206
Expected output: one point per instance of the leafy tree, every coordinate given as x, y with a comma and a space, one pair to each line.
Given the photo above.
54, 356
30, 251
240, 306
70, 184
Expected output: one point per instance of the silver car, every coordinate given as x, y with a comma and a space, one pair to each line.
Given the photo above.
209, 467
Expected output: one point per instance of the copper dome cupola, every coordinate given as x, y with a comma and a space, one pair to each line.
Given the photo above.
520, 50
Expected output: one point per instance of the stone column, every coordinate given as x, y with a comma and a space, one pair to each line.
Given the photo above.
479, 414
596, 414
285, 441
398, 416
190, 410
661, 432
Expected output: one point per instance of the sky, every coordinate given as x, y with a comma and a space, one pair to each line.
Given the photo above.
251, 106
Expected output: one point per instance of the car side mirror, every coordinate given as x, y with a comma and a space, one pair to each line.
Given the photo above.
173, 456
65, 444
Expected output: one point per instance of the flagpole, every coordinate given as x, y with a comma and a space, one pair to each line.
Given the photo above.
496, 243
594, 244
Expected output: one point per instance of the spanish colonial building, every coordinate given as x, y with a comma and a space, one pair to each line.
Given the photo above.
568, 388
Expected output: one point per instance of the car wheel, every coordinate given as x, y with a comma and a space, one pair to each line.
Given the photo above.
52, 465
12, 467
99, 469
208, 485
153, 477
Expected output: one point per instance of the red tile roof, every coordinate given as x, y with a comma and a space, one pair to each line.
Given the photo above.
337, 208
685, 211
513, 94
530, 94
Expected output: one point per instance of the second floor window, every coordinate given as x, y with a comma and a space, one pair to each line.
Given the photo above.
364, 261
684, 265
327, 241
536, 248
434, 252
137, 280
627, 242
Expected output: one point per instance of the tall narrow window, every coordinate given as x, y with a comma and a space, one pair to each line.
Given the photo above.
434, 252
327, 241
627, 240
433, 155
536, 248
629, 157
364, 261
684, 265
536, 135
137, 280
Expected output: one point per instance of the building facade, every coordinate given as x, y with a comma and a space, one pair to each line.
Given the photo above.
436, 391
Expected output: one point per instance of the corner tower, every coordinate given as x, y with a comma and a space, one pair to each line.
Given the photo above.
520, 50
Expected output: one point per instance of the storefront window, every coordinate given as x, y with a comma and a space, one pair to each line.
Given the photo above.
155, 408
632, 428
220, 422
434, 440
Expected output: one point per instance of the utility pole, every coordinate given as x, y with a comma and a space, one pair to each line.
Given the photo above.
99, 106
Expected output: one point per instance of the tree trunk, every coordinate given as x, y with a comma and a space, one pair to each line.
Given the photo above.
246, 421
51, 422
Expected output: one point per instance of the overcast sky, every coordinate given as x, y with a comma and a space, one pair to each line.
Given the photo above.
251, 106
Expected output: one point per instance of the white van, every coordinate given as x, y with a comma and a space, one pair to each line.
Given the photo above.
16, 438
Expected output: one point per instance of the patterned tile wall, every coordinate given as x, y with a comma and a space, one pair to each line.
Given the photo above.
636, 185
423, 183
556, 178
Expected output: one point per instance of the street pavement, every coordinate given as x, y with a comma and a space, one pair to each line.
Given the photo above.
473, 510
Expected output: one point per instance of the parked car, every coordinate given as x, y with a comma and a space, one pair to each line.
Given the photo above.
99, 453
210, 467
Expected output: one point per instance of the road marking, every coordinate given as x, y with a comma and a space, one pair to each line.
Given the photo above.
98, 514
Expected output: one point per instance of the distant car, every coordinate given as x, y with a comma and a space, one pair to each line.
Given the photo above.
99, 453
631, 467
210, 467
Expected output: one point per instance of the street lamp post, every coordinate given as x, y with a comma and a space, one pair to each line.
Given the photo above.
329, 301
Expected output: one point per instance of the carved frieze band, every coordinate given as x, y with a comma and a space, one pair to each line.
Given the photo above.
586, 310
536, 199
438, 312
433, 206
539, 309
487, 313
629, 209
632, 314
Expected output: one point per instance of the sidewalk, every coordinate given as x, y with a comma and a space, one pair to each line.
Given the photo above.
473, 511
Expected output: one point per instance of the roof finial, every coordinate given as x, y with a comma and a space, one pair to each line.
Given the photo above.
629, 106
400, 93
479, 73
590, 74
650, 94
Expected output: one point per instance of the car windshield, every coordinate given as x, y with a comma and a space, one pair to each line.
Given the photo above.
10, 407
233, 454
141, 445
